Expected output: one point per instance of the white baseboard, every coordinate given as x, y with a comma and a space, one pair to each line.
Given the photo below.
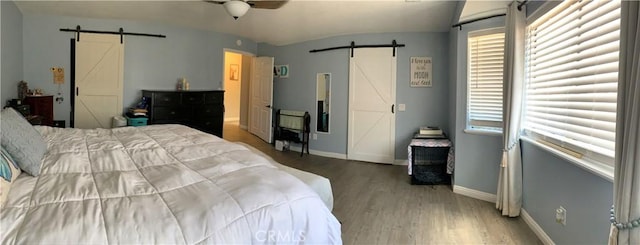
320, 153
245, 127
475, 194
536, 228
403, 162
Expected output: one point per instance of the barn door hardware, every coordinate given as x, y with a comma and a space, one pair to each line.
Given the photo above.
353, 46
120, 32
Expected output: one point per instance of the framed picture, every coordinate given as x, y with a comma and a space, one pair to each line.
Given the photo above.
284, 71
281, 71
234, 72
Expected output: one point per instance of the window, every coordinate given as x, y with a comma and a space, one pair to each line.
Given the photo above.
572, 74
484, 98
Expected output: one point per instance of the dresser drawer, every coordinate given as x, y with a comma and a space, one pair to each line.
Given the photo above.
210, 124
169, 113
209, 111
214, 98
160, 99
193, 98
212, 127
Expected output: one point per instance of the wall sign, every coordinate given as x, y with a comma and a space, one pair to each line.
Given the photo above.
421, 72
58, 75
281, 71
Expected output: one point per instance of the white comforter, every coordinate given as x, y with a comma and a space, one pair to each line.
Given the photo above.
160, 184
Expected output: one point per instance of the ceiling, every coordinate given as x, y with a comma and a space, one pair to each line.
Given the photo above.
296, 21
474, 9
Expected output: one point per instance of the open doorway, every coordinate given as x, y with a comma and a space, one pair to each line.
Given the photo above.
236, 80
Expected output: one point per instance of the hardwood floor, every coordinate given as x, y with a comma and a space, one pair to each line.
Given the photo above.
377, 205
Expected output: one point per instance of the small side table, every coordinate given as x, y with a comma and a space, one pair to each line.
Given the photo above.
439, 154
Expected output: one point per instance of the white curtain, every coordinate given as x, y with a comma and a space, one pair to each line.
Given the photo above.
510, 181
627, 170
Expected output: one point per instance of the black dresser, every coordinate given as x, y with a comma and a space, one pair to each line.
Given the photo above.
203, 110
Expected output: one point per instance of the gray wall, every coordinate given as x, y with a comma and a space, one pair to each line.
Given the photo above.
477, 156
424, 106
548, 181
11, 51
150, 63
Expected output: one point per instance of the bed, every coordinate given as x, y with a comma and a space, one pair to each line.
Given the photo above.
319, 184
166, 184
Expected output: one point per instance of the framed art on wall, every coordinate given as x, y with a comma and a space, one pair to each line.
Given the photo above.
234, 71
281, 71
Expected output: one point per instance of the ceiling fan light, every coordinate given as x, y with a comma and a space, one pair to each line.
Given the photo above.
236, 8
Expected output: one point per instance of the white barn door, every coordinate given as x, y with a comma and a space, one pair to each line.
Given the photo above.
99, 80
372, 96
261, 98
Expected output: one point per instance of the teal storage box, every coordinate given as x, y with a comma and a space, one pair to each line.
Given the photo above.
137, 122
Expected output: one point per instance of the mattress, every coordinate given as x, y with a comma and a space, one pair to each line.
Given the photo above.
160, 184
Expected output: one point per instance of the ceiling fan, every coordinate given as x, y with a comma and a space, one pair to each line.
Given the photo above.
237, 8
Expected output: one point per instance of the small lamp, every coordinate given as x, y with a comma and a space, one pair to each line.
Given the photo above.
236, 8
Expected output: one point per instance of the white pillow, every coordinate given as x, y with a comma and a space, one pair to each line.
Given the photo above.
22, 141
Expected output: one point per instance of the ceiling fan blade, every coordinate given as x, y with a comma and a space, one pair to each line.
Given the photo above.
213, 1
267, 4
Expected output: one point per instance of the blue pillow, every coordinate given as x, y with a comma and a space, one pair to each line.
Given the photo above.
22, 141
9, 171
7, 166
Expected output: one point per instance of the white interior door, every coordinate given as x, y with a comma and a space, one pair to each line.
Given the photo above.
261, 99
372, 96
99, 80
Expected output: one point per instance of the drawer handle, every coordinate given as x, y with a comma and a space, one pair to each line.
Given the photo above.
173, 113
192, 99
166, 99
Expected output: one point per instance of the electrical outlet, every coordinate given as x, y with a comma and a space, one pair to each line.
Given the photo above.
561, 216
315, 136
402, 107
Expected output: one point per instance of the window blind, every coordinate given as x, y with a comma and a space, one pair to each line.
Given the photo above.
486, 58
572, 74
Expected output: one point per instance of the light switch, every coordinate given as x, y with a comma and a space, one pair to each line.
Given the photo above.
401, 107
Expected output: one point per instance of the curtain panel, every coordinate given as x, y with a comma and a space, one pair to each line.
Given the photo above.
625, 220
509, 197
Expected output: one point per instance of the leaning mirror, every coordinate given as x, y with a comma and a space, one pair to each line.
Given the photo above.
323, 99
